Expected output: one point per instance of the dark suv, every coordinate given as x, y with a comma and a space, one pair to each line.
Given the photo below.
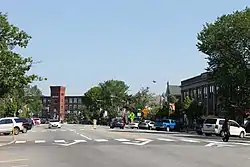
117, 123
27, 125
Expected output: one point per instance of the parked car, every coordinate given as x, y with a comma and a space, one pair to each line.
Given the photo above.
134, 124
165, 124
10, 124
27, 125
146, 124
36, 121
54, 124
199, 125
117, 123
214, 126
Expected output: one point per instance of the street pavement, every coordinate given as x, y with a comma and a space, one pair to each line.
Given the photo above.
81, 145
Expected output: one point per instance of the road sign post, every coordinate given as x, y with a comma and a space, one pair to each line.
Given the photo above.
94, 123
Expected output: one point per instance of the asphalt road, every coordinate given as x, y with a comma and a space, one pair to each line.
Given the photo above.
79, 145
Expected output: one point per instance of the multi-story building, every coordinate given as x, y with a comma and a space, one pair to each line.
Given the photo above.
202, 90
57, 105
73, 103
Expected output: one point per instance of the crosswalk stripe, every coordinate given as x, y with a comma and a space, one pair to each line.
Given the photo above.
20, 142
101, 140
59, 141
189, 140
80, 140
122, 140
164, 139
40, 141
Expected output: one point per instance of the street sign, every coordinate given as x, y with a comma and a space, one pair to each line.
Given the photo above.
132, 116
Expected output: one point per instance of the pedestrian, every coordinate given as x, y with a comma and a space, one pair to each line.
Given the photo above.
226, 130
186, 122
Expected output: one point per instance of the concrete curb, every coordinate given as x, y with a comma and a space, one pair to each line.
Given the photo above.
9, 143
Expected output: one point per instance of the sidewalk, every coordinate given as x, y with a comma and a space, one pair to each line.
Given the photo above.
5, 140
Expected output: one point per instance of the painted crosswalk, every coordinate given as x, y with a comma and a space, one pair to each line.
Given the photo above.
206, 143
47, 130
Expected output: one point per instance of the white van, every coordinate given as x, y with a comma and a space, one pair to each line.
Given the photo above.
214, 126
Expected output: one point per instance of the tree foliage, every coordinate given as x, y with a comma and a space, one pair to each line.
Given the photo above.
187, 102
13, 67
226, 43
108, 96
27, 100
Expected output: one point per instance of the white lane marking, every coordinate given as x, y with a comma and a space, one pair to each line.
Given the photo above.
13, 160
40, 141
190, 141
101, 140
139, 144
164, 139
86, 137
20, 142
63, 130
210, 144
142, 139
59, 141
79, 141
53, 130
81, 129
33, 131
243, 144
44, 131
122, 140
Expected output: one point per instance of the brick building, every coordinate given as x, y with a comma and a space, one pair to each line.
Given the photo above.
57, 105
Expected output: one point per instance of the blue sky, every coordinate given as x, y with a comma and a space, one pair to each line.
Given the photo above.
82, 43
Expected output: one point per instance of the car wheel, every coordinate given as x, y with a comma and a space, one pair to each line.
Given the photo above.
16, 131
24, 130
242, 134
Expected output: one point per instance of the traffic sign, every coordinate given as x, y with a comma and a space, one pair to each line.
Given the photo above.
132, 116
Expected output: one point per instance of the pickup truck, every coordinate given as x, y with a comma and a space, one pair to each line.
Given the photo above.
166, 124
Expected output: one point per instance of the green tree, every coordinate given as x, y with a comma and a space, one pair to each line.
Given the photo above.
27, 100
32, 99
186, 104
13, 67
114, 95
93, 102
143, 98
172, 99
109, 96
226, 45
